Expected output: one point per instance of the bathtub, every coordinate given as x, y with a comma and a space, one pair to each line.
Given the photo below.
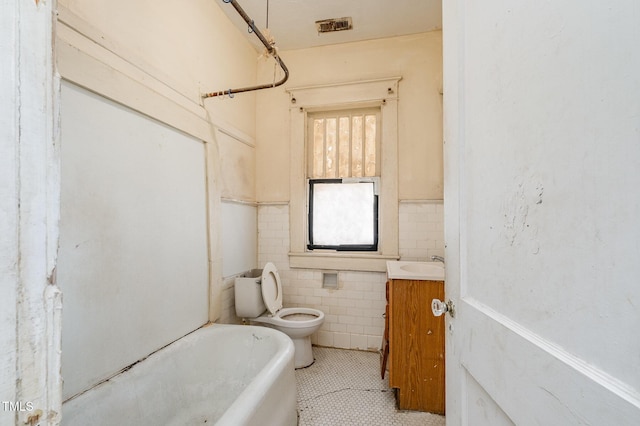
217, 375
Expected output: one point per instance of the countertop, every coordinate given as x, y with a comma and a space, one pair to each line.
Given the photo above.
404, 270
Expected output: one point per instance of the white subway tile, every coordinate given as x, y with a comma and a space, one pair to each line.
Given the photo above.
342, 340
313, 300
358, 341
353, 313
325, 338
338, 328
377, 331
374, 342
355, 329
346, 319
330, 318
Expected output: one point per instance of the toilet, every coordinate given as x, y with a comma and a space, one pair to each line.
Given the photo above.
259, 300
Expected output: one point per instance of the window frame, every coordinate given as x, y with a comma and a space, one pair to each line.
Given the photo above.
373, 247
382, 93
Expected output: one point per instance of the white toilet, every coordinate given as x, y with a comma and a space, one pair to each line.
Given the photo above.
259, 299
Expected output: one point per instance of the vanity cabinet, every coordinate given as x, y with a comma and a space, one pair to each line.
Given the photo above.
415, 344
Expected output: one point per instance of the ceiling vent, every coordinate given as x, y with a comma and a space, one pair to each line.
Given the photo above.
332, 25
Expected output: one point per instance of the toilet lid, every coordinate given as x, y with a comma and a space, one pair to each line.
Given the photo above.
271, 288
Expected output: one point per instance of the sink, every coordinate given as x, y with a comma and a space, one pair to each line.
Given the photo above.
422, 268
428, 271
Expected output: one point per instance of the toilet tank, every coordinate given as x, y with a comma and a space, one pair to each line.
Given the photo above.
248, 295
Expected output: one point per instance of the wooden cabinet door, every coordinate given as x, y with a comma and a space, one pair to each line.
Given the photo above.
416, 341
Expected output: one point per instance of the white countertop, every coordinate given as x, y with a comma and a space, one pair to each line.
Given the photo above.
431, 271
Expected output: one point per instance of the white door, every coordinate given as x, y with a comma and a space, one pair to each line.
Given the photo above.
542, 212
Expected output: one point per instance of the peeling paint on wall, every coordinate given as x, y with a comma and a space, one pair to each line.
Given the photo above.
520, 227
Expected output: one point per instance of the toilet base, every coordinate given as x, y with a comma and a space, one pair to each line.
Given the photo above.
303, 356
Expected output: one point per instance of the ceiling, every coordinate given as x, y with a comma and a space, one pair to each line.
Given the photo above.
292, 22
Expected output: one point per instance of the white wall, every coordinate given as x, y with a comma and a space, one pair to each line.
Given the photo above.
421, 230
188, 47
155, 59
159, 65
239, 237
133, 237
354, 311
416, 58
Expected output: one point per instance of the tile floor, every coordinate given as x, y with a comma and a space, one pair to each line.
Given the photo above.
343, 387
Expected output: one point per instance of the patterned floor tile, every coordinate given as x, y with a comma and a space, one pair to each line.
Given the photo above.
343, 387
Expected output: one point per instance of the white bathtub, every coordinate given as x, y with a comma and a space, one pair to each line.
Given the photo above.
218, 375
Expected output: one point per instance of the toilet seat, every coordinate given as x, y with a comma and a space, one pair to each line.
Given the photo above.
308, 318
291, 318
271, 288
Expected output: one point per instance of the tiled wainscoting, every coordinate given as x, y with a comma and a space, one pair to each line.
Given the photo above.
353, 312
421, 229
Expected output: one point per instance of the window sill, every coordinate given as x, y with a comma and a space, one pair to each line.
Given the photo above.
367, 262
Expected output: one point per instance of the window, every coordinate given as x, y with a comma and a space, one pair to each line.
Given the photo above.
343, 165
343, 214
338, 101
344, 144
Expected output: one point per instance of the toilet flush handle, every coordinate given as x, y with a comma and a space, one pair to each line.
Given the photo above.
439, 307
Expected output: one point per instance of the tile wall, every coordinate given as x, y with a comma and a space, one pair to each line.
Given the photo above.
421, 230
353, 312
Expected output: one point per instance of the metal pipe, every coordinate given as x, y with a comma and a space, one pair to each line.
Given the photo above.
267, 45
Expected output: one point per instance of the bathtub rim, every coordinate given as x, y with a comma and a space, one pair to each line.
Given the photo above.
274, 373
267, 377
